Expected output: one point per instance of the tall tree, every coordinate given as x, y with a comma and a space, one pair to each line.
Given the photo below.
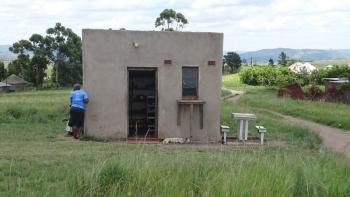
56, 37
244, 62
61, 46
15, 67
21, 66
283, 59
65, 54
167, 18
223, 65
271, 63
233, 60
181, 21
2, 71
32, 60
39, 59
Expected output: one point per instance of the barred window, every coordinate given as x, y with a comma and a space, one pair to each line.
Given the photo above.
190, 82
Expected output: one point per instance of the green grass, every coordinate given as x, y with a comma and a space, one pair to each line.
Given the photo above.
277, 130
233, 82
36, 161
225, 93
332, 114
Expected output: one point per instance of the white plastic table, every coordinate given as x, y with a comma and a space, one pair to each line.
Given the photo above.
242, 124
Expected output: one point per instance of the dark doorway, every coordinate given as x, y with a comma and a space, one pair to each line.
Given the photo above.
142, 102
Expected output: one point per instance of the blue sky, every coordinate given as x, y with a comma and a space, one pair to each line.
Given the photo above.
247, 24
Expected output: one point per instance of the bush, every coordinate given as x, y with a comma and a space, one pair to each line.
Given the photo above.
315, 93
267, 75
336, 72
339, 72
282, 76
317, 76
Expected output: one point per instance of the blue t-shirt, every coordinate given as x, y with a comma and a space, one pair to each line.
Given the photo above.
77, 98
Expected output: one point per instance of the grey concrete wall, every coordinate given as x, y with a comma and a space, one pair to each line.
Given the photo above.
108, 53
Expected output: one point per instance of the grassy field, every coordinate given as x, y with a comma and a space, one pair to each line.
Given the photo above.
324, 63
259, 98
35, 160
233, 82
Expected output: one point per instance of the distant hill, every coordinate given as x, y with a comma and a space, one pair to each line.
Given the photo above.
5, 54
264, 55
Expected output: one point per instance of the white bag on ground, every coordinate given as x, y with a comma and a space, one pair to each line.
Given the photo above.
68, 128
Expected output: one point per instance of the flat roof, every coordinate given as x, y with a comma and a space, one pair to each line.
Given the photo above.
150, 31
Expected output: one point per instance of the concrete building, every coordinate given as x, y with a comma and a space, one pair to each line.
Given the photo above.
155, 84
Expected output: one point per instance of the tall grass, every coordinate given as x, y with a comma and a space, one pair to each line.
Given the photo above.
214, 172
35, 160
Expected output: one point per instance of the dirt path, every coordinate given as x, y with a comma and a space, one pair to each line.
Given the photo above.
234, 95
333, 138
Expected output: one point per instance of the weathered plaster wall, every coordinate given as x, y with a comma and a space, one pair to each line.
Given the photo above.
108, 53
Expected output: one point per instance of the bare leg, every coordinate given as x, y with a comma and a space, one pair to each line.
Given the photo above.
75, 132
78, 132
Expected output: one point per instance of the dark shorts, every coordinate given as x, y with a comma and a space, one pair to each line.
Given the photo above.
76, 118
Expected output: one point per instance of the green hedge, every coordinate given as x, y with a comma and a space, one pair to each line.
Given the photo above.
272, 76
339, 72
265, 75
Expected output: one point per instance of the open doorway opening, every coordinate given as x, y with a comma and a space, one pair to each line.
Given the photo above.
142, 102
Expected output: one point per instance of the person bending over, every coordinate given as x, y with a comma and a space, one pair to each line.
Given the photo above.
78, 100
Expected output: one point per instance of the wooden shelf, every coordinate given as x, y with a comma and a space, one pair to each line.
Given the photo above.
189, 102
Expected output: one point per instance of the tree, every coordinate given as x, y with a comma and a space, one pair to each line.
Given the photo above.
223, 65
181, 21
167, 18
32, 60
292, 61
66, 55
271, 63
244, 62
2, 71
282, 59
15, 67
233, 60
21, 65
61, 46
39, 59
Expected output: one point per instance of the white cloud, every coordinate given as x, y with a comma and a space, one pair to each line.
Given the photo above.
56, 8
204, 4
247, 24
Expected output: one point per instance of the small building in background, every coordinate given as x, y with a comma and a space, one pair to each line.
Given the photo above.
300, 67
4, 87
17, 83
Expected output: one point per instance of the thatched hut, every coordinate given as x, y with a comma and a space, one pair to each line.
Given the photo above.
17, 82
